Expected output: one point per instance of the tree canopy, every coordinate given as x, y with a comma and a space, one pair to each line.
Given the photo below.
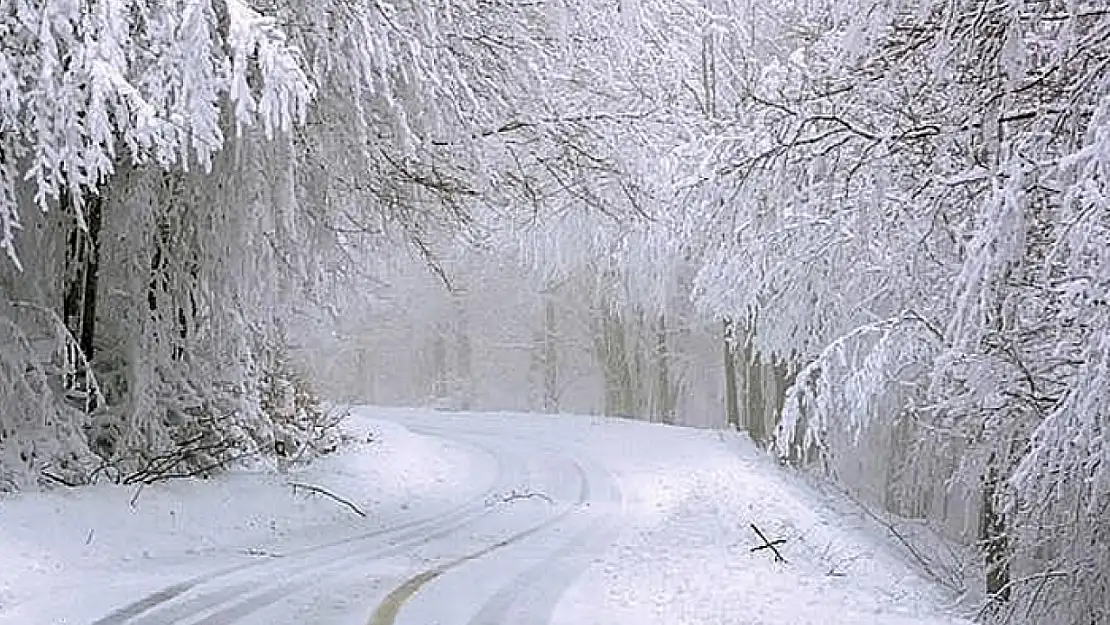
872, 234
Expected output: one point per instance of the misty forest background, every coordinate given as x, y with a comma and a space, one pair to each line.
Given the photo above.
872, 234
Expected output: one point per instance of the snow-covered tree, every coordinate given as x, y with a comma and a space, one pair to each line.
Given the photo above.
902, 218
113, 114
891, 215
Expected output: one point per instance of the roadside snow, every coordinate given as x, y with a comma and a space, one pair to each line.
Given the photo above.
53, 544
685, 553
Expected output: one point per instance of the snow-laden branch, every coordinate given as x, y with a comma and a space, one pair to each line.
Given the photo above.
834, 391
79, 80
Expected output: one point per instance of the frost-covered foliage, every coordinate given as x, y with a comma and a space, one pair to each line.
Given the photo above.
542, 319
170, 194
912, 195
120, 215
87, 85
884, 221
39, 355
895, 209
548, 130
189, 185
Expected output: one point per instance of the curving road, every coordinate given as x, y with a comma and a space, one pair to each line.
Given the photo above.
504, 555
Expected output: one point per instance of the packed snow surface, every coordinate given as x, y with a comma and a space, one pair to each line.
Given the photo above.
475, 519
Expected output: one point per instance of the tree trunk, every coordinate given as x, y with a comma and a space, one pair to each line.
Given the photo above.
439, 365
664, 396
464, 378
732, 406
992, 533
639, 397
93, 207
80, 293
755, 404
550, 355
613, 355
781, 381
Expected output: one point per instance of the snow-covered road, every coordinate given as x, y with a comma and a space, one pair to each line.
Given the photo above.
472, 519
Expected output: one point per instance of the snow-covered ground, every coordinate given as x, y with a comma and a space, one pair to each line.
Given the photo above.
470, 518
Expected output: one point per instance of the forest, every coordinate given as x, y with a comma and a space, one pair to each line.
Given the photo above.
872, 234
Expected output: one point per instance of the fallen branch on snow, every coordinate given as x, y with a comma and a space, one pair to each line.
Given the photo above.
518, 495
323, 491
768, 544
837, 562
260, 553
934, 568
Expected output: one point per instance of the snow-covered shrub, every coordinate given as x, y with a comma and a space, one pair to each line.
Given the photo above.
42, 433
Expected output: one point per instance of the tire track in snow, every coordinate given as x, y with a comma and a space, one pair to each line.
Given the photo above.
235, 611
159, 601
422, 530
229, 612
532, 596
387, 611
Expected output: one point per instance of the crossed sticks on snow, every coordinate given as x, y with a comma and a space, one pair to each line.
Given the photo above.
768, 544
